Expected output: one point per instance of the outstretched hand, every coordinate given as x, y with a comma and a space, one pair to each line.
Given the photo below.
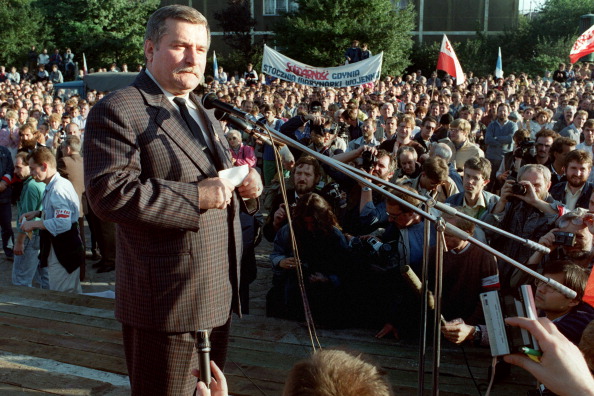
562, 368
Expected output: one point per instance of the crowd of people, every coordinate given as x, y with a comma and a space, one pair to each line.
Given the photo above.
515, 153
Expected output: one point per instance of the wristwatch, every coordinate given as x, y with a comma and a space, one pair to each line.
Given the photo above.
478, 336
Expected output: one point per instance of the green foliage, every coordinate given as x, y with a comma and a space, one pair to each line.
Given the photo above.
21, 27
105, 30
319, 32
236, 22
559, 19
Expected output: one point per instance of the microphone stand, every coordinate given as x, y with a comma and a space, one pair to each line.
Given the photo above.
367, 179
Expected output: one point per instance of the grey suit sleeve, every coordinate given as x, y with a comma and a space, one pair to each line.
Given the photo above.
126, 165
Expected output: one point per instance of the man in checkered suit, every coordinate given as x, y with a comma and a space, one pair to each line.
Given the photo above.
153, 172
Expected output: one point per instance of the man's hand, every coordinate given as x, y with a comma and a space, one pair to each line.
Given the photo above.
388, 329
251, 187
506, 190
215, 193
457, 331
288, 263
318, 277
29, 226
218, 384
3, 185
30, 215
548, 239
363, 148
315, 119
503, 177
279, 217
19, 244
530, 197
562, 368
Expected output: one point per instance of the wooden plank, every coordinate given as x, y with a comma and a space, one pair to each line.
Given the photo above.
111, 364
58, 297
62, 328
47, 315
6, 389
30, 379
86, 343
55, 306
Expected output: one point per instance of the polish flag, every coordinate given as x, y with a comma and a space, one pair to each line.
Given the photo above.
583, 46
448, 61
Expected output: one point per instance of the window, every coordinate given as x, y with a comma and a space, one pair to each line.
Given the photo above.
275, 7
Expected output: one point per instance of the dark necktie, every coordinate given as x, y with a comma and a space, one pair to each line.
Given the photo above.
195, 128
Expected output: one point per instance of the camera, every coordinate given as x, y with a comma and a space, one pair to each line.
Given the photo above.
526, 147
342, 130
377, 255
519, 189
367, 161
564, 238
334, 195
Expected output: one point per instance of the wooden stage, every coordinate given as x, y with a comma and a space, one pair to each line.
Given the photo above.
60, 344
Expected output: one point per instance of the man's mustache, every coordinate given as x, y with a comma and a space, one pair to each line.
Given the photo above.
192, 70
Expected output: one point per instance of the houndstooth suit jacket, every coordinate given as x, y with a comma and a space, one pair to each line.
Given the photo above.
177, 267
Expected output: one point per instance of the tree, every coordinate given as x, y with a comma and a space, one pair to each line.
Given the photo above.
21, 27
105, 30
237, 23
319, 31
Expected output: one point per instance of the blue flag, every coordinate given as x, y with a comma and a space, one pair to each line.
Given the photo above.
215, 65
499, 67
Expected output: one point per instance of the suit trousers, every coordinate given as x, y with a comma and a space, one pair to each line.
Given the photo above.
161, 363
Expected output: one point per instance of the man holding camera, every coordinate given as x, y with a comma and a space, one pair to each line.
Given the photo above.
576, 191
525, 209
570, 239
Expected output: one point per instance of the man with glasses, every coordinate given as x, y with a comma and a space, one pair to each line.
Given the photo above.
462, 148
570, 315
525, 209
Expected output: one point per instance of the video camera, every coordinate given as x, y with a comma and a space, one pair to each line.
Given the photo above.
379, 256
526, 147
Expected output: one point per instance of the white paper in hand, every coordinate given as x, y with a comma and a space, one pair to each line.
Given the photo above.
235, 175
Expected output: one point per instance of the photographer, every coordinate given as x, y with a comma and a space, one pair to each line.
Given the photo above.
525, 153
395, 303
372, 206
525, 209
570, 239
324, 139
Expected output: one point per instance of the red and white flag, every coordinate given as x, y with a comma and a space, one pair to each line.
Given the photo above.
583, 46
448, 61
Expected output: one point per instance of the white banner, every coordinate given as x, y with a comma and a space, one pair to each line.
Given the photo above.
277, 65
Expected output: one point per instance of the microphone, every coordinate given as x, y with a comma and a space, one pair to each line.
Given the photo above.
211, 101
203, 346
238, 123
242, 125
